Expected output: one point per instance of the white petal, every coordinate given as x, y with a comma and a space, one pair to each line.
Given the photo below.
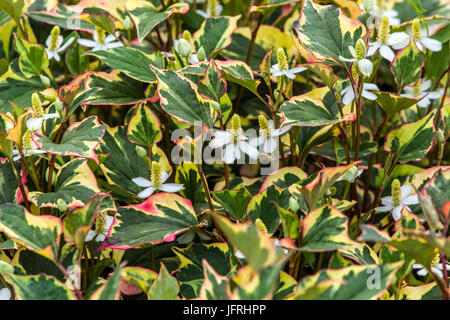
370, 86
352, 51
50, 116
228, 155
369, 95
419, 45
414, 199
387, 53
50, 54
274, 68
365, 66
383, 209
171, 187
346, 59
109, 222
425, 85
297, 69
146, 193
289, 74
397, 213
113, 45
425, 102
437, 271
406, 190
90, 235
164, 176
109, 38
249, 149
417, 266
431, 44
238, 254
100, 238
387, 201
398, 40
57, 57
348, 96
277, 73
373, 47
434, 95
270, 145
5, 294
87, 43
34, 124
422, 272
220, 141
68, 42
142, 182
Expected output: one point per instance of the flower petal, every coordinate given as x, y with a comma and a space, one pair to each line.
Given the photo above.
249, 149
90, 235
397, 213
383, 209
365, 66
422, 272
228, 155
146, 193
87, 43
414, 199
348, 96
387, 53
406, 190
431, 44
142, 182
5, 294
34, 124
171, 187
387, 201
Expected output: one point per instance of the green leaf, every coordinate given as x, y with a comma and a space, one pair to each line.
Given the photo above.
133, 62
40, 287
160, 218
371, 233
326, 32
190, 272
14, 8
415, 247
102, 21
351, 283
257, 247
361, 253
439, 190
79, 140
284, 178
215, 34
146, 16
165, 287
62, 16
325, 229
413, 140
110, 290
234, 201
144, 127
263, 206
213, 85
214, 286
12, 193
76, 62
407, 65
33, 58
187, 175
179, 97
437, 62
40, 234
315, 108
139, 277
392, 104
75, 184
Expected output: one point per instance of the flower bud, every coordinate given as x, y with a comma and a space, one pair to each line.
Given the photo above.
45, 81
293, 204
127, 23
141, 152
37, 105
62, 205
216, 106
53, 177
440, 136
184, 48
201, 55
59, 105
6, 268
187, 36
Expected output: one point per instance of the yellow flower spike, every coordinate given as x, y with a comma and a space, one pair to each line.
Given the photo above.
101, 35
417, 87
212, 5
54, 37
396, 193
360, 49
27, 141
282, 60
355, 72
187, 36
37, 105
261, 225
156, 175
416, 31
100, 224
384, 31
264, 128
236, 122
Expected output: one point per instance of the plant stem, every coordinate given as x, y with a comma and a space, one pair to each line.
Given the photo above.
19, 183
205, 187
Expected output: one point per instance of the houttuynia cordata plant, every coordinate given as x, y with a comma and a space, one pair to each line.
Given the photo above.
228, 150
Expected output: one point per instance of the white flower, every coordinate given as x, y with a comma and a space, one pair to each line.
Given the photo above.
5, 294
421, 38
235, 142
158, 178
400, 198
376, 12
29, 147
53, 53
34, 124
268, 137
385, 41
101, 41
348, 94
290, 73
102, 226
419, 90
351, 174
73, 280
359, 54
436, 267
